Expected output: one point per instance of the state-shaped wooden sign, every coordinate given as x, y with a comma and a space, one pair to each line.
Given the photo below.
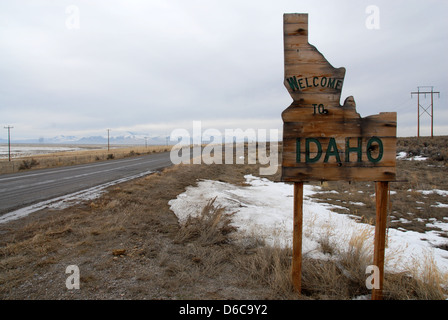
322, 139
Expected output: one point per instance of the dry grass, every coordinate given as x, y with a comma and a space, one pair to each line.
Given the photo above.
68, 158
269, 267
211, 227
435, 148
129, 245
410, 209
422, 281
159, 261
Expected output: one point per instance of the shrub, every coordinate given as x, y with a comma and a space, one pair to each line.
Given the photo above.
28, 164
209, 228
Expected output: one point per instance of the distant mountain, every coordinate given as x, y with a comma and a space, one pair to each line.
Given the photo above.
59, 139
125, 138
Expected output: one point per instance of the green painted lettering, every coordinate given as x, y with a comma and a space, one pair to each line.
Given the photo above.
316, 81
332, 151
323, 82
349, 150
331, 83
374, 150
370, 148
293, 83
301, 84
339, 84
307, 150
307, 85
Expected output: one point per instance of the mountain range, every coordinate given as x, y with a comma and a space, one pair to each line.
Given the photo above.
125, 139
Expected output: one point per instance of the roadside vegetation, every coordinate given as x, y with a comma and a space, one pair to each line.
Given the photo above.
128, 244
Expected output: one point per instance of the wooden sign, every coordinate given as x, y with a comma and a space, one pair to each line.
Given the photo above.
323, 140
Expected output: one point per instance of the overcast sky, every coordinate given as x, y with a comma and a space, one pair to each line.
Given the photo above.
81, 67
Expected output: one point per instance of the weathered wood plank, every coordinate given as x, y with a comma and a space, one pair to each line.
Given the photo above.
339, 174
289, 18
352, 128
321, 124
297, 237
382, 202
324, 140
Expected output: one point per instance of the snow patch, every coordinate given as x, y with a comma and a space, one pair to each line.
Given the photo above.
265, 209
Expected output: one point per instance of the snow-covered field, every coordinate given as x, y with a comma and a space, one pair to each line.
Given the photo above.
265, 209
31, 150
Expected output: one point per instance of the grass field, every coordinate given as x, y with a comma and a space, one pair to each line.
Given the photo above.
128, 244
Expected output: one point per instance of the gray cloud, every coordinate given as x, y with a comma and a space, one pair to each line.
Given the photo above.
157, 65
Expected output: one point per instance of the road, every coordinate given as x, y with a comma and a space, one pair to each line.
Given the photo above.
23, 189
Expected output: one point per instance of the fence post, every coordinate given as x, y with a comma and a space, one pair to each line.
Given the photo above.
382, 201
297, 237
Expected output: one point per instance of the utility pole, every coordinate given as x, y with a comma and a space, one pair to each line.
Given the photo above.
9, 141
108, 139
425, 110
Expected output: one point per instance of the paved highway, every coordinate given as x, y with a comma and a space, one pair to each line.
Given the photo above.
23, 189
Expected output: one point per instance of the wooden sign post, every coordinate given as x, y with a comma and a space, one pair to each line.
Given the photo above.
326, 141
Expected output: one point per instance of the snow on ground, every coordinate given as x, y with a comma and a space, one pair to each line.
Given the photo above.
27, 151
265, 209
404, 156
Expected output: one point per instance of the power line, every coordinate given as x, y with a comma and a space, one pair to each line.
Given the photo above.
108, 130
425, 110
9, 141
402, 105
